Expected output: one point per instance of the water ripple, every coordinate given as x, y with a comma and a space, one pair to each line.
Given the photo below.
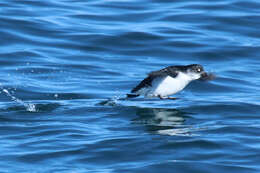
67, 65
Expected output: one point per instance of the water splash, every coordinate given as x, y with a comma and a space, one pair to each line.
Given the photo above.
109, 102
29, 106
114, 101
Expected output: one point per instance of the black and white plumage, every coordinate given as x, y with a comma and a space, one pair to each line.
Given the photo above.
168, 81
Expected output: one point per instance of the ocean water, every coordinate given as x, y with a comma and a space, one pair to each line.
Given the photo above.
66, 66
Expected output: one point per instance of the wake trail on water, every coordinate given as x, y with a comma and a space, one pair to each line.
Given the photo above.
29, 106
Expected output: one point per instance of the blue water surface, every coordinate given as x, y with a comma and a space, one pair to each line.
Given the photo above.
66, 66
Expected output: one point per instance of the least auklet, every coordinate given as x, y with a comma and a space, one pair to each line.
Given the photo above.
169, 80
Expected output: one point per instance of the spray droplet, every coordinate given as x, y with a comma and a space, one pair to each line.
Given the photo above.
5, 90
29, 106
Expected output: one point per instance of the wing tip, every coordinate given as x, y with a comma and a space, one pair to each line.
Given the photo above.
131, 95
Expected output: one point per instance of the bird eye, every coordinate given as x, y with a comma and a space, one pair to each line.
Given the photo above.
198, 70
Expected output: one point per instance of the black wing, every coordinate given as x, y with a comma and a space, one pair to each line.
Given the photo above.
144, 83
168, 71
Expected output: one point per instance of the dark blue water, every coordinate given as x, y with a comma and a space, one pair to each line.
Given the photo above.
66, 64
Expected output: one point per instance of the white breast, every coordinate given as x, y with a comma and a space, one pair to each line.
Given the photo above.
169, 85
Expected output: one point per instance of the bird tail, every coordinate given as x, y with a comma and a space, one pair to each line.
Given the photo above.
131, 95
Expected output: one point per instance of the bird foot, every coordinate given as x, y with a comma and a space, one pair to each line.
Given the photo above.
170, 98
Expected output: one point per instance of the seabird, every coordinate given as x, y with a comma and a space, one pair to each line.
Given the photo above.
168, 81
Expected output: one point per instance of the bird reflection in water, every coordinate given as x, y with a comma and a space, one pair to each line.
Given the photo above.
165, 121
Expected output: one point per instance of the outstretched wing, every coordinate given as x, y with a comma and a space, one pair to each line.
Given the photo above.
147, 82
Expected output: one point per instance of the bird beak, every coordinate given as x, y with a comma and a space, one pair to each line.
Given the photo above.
204, 76
207, 76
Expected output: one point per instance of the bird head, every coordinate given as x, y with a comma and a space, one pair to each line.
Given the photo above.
196, 71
